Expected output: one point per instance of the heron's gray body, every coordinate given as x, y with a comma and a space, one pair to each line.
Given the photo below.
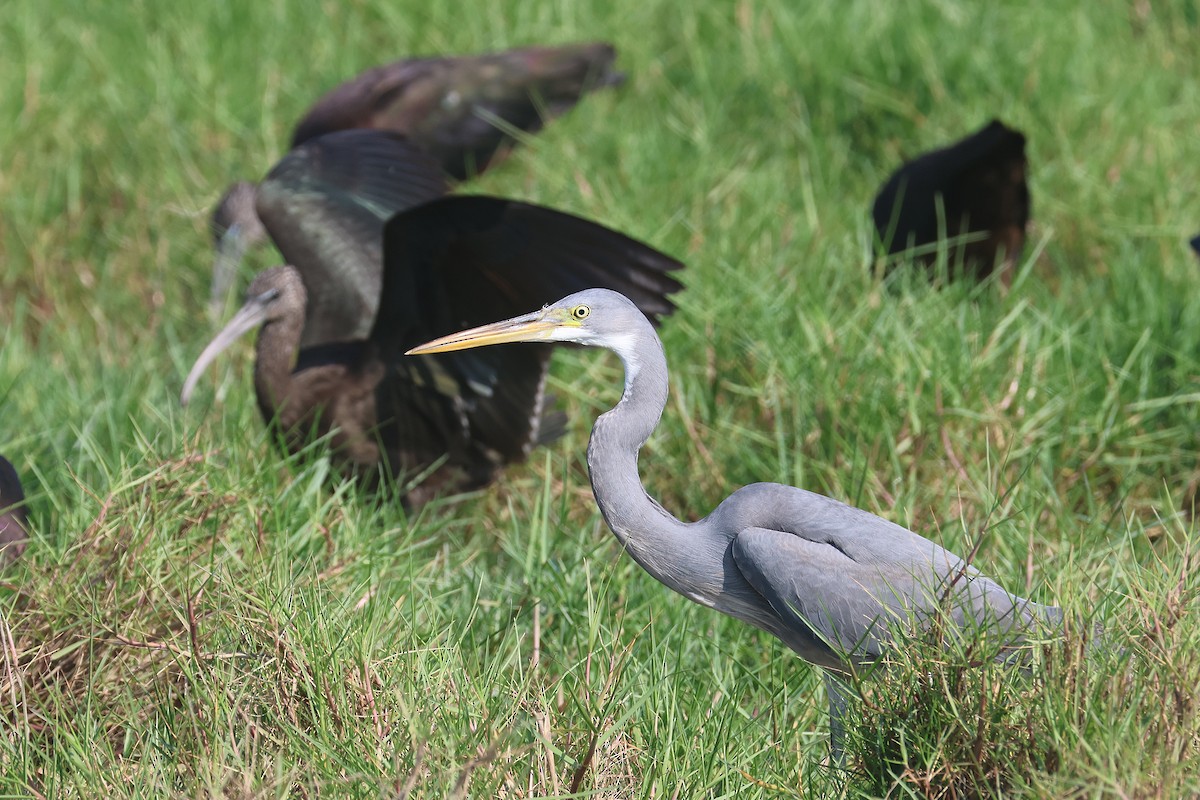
833, 582
835, 579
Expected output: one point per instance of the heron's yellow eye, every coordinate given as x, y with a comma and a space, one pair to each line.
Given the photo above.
580, 312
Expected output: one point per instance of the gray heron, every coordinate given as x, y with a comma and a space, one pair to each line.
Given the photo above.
829, 580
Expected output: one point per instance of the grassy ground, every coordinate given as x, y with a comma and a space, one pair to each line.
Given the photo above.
199, 616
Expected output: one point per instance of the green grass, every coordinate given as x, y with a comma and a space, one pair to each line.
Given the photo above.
199, 616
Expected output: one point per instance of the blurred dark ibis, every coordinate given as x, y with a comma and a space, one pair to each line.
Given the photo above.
334, 324
972, 195
465, 111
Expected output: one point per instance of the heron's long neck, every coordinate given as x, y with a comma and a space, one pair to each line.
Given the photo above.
641, 524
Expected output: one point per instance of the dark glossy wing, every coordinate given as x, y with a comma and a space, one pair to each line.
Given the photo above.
458, 262
362, 101
469, 260
982, 176
325, 204
463, 109
516, 91
434, 412
428, 417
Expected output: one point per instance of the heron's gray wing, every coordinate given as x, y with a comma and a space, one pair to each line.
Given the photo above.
835, 606
832, 609
459, 262
325, 204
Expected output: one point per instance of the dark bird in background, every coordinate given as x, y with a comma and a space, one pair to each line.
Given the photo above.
14, 516
972, 194
1196, 244
465, 111
327, 362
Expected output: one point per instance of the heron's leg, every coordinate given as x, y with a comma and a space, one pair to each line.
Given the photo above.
837, 726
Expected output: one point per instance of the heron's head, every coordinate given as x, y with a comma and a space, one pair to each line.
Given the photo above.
275, 294
596, 317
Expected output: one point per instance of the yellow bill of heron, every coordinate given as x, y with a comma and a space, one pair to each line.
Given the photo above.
536, 327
